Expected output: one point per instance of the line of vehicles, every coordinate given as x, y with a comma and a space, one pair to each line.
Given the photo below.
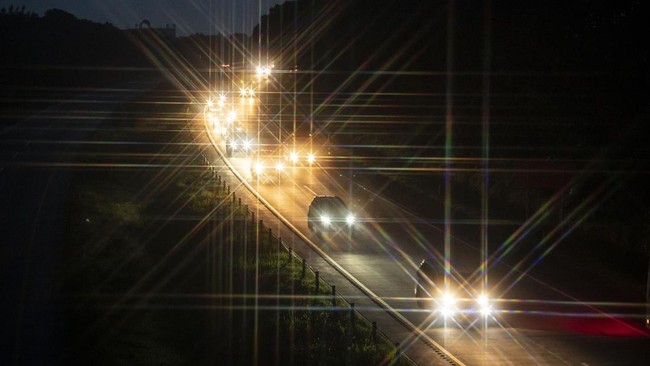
234, 120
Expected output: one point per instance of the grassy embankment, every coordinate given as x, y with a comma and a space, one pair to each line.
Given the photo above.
164, 265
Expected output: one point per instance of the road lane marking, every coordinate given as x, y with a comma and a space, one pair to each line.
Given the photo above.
310, 190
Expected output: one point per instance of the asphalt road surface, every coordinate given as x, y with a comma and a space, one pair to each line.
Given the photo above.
533, 323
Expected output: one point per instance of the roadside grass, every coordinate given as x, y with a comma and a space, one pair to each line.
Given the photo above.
165, 268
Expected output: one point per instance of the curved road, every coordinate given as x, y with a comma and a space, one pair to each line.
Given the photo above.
550, 328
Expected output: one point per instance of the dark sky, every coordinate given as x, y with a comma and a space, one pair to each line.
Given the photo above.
190, 16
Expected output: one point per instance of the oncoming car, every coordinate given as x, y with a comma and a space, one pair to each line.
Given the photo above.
238, 141
267, 170
456, 300
330, 214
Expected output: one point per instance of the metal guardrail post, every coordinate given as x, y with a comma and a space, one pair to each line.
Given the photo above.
340, 270
352, 318
317, 282
333, 296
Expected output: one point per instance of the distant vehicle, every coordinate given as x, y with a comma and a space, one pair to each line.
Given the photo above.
455, 300
237, 140
266, 170
329, 214
273, 161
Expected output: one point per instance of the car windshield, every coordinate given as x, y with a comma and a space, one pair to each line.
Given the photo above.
337, 208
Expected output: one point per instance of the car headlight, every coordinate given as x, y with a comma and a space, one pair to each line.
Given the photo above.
258, 168
484, 306
311, 158
350, 219
325, 220
293, 157
246, 144
233, 143
447, 306
279, 167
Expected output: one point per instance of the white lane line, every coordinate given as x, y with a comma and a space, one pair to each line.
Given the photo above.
310, 190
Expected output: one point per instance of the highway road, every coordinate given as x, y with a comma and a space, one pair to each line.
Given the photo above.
534, 323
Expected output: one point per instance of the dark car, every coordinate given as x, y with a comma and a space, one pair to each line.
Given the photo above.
456, 299
329, 214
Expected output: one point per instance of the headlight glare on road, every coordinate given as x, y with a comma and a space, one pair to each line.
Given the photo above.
246, 144
484, 305
232, 115
350, 219
246, 92
293, 157
325, 220
263, 71
258, 168
447, 306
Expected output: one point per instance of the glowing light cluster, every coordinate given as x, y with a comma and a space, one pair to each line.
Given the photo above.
246, 92
263, 72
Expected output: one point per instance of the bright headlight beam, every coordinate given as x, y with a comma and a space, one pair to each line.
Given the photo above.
350, 219
484, 305
325, 219
232, 115
279, 167
293, 157
259, 168
447, 307
311, 158
263, 71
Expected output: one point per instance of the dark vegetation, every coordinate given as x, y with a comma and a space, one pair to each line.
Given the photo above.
60, 50
163, 265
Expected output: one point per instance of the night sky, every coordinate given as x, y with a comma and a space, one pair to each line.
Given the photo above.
190, 16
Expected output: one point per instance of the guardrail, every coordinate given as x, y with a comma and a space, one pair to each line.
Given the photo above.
440, 351
242, 224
